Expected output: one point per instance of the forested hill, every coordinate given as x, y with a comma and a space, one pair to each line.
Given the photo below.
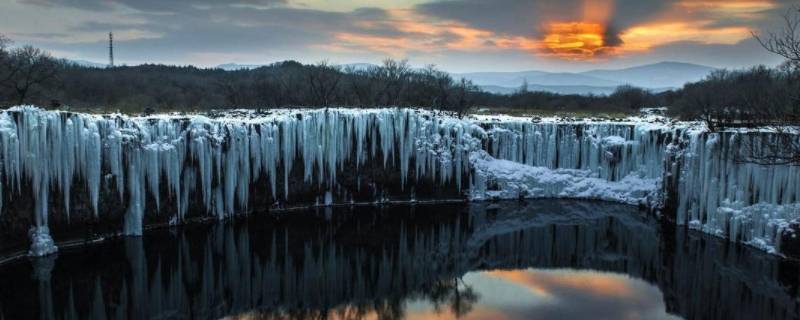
30, 76
286, 84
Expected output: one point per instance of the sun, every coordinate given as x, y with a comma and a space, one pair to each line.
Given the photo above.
576, 40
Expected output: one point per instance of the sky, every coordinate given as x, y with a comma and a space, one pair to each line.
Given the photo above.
454, 35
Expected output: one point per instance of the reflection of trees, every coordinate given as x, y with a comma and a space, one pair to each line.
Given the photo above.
453, 292
272, 272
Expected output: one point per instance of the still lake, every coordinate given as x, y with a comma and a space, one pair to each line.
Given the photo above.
543, 259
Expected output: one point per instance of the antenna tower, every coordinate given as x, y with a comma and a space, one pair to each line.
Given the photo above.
111, 49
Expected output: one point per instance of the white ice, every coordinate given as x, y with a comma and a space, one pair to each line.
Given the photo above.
167, 158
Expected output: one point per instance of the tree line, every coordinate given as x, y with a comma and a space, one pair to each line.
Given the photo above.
30, 76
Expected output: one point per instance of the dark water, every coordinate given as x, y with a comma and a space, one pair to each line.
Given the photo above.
539, 260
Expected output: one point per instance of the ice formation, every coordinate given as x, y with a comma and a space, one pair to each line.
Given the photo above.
745, 202
170, 158
504, 179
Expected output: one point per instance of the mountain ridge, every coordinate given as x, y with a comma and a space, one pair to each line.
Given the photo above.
661, 76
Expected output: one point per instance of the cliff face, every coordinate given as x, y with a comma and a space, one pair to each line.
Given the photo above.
78, 176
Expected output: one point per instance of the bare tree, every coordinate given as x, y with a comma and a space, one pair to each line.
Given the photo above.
4, 42
785, 42
443, 82
27, 68
394, 73
631, 97
323, 80
229, 89
782, 147
6, 69
463, 96
268, 91
364, 85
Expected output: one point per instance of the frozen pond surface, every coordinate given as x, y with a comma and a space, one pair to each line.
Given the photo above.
542, 259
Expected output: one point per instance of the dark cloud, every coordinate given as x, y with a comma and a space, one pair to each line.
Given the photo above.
233, 30
502, 16
95, 5
611, 37
626, 13
526, 18
176, 30
184, 44
370, 13
196, 22
161, 6
40, 35
94, 26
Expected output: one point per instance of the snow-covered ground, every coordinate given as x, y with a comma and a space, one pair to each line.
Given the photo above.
221, 155
504, 179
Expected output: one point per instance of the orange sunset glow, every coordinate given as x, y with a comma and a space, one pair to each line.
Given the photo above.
576, 40
541, 282
457, 35
684, 21
589, 37
581, 40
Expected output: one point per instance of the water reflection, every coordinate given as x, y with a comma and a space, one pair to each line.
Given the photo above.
543, 259
565, 294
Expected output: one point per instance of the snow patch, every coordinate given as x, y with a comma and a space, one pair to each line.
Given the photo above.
503, 179
41, 242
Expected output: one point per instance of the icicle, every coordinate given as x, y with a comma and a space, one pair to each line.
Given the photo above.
221, 159
136, 202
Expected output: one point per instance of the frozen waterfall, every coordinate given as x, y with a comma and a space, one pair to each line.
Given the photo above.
165, 164
745, 202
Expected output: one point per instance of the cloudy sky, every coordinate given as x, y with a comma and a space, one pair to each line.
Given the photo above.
455, 35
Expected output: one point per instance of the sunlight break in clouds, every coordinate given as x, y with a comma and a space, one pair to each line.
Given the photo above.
589, 37
695, 21
585, 39
576, 40
458, 35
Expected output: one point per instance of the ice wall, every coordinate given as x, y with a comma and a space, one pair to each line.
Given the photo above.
617, 161
171, 161
720, 193
611, 150
47, 153
713, 187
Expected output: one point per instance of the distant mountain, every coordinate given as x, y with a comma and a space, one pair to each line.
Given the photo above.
502, 79
236, 66
498, 89
88, 64
572, 79
358, 66
583, 90
662, 74
657, 77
